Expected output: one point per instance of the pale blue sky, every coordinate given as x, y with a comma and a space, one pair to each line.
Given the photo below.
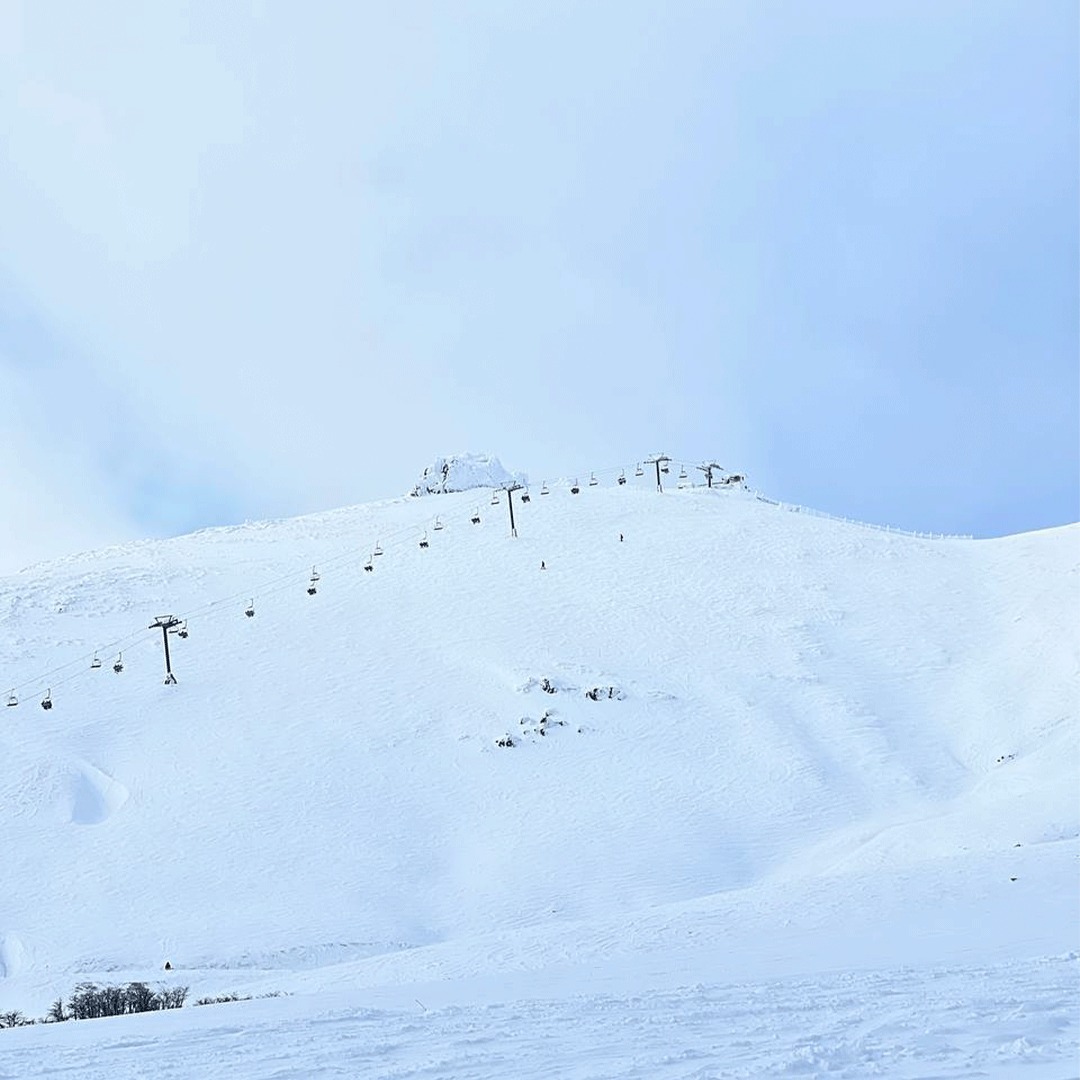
259, 259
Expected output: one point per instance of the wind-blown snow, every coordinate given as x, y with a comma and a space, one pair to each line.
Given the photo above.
800, 789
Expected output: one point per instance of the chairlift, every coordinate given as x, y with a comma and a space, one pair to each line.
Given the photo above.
544, 488
664, 468
249, 611
592, 480
95, 663
682, 473
622, 477
46, 701
118, 666
574, 489
378, 550
311, 589
12, 700
475, 519
369, 565
494, 498
639, 471
183, 631
314, 574
424, 541
438, 524
525, 497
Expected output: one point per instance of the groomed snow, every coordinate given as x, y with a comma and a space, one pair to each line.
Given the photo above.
818, 815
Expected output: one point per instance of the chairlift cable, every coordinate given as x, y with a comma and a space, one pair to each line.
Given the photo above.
279, 584
79, 662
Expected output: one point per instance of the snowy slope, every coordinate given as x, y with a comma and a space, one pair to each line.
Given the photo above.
824, 748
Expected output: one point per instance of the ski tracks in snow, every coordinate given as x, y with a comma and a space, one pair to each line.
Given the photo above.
997, 1022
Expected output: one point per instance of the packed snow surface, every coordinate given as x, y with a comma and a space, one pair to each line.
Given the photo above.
776, 795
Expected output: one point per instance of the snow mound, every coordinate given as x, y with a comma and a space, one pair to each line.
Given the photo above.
462, 472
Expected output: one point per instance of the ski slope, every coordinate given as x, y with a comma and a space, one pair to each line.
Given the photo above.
823, 762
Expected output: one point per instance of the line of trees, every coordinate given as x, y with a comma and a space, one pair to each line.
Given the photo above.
89, 1001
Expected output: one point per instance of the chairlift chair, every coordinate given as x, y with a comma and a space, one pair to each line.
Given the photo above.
682, 473
664, 468
183, 631
639, 471
118, 665
438, 524
574, 489
249, 611
378, 550
424, 541
369, 565
475, 519
95, 663
311, 589
592, 480
525, 497
622, 477
12, 700
544, 488
46, 701
494, 498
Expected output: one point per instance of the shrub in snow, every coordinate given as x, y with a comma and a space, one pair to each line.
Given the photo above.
221, 999
13, 1019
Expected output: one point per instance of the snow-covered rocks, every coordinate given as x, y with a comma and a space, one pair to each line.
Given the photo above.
554, 684
463, 472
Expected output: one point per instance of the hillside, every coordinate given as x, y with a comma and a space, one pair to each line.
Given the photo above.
747, 743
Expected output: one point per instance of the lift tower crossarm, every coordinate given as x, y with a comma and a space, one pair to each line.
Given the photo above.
707, 468
658, 460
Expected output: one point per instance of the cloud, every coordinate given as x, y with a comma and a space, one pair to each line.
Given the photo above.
52, 504
303, 253
80, 458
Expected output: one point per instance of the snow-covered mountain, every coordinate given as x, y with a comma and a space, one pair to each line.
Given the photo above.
654, 748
